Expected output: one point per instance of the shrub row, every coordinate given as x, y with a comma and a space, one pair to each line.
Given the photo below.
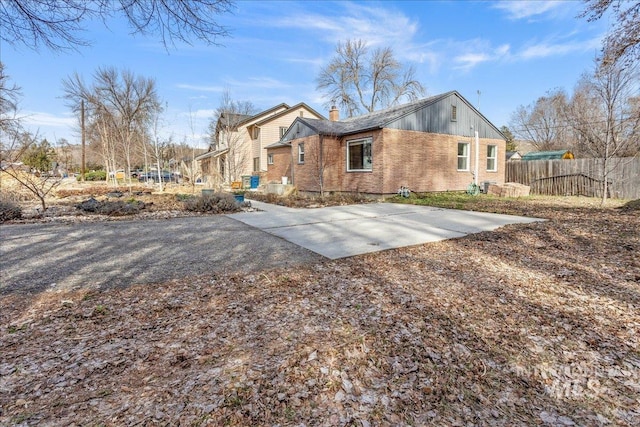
212, 203
111, 207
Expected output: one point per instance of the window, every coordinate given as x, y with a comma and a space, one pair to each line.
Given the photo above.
492, 158
256, 164
454, 113
359, 155
463, 156
301, 153
256, 132
301, 113
270, 158
283, 130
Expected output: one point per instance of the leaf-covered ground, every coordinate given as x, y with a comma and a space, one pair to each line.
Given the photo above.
534, 324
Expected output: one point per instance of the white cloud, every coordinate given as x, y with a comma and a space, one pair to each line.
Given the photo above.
36, 119
374, 25
528, 9
476, 52
200, 88
550, 48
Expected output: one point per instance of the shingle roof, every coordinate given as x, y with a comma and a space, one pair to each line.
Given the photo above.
374, 120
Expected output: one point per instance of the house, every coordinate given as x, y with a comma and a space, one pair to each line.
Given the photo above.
513, 156
549, 155
432, 144
240, 140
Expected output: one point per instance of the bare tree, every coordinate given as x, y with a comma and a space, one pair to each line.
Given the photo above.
360, 80
9, 96
58, 24
227, 135
623, 40
121, 106
21, 156
319, 156
29, 163
604, 112
543, 122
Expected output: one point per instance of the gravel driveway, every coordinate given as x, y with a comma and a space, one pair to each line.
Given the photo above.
36, 257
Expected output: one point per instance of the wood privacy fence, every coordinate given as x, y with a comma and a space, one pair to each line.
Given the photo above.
579, 177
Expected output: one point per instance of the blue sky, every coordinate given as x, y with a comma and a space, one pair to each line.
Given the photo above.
511, 51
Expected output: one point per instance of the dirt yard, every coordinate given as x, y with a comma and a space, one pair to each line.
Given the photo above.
534, 324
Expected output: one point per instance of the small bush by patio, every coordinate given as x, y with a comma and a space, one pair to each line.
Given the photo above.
213, 203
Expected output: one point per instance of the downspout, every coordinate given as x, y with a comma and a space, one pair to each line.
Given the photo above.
476, 169
293, 165
321, 167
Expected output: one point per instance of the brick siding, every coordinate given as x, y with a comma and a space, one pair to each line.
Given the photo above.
423, 162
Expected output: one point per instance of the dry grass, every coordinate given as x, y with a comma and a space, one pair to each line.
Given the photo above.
535, 324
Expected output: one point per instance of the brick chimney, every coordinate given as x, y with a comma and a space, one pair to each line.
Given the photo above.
334, 114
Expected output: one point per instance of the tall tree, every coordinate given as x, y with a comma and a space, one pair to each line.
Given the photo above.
39, 156
121, 107
58, 24
358, 79
511, 140
543, 122
623, 40
605, 115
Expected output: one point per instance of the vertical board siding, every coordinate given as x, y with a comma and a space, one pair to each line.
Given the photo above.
436, 118
582, 177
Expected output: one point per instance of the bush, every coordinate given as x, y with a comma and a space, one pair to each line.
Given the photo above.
212, 203
9, 211
112, 208
94, 176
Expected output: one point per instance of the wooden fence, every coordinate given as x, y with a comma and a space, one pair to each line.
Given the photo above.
579, 177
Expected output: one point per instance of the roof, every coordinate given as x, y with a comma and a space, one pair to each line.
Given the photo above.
548, 155
287, 111
212, 154
379, 119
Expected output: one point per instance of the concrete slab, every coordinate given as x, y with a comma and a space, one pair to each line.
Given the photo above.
343, 231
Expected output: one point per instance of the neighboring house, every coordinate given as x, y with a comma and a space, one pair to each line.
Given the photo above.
549, 155
426, 145
513, 156
240, 141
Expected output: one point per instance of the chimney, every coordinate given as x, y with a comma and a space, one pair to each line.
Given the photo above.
334, 114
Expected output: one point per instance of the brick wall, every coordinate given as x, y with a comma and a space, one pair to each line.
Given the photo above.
281, 164
421, 161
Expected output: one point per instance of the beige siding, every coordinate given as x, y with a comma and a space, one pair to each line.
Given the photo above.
270, 132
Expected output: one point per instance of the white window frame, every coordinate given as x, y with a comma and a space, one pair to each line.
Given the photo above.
466, 155
270, 158
301, 153
493, 158
360, 141
454, 113
283, 130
